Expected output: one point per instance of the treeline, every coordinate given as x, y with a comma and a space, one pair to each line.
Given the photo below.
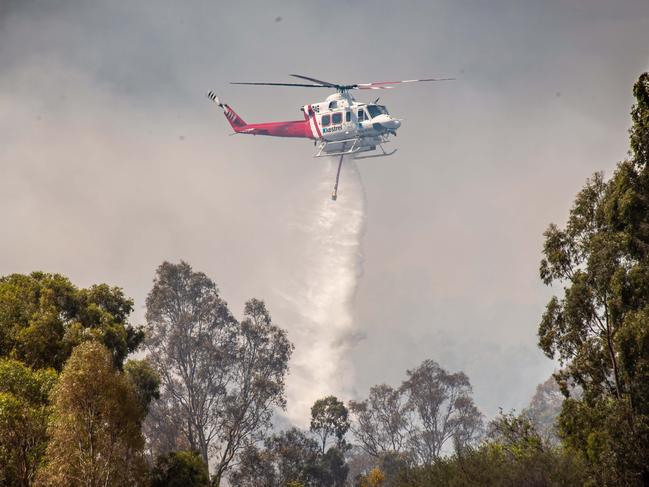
196, 408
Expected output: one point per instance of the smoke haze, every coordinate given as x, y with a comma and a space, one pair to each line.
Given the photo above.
112, 160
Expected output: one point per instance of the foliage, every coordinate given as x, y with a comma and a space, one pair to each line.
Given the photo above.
374, 478
515, 455
220, 379
430, 408
544, 409
329, 418
180, 469
24, 413
443, 410
599, 328
290, 458
257, 387
382, 421
44, 316
333, 468
145, 381
190, 339
95, 432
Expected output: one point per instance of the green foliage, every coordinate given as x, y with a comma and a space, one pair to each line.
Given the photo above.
44, 316
290, 458
95, 432
490, 466
329, 418
333, 468
145, 381
599, 329
180, 469
515, 455
24, 413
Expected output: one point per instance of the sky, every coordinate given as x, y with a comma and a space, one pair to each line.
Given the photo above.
112, 160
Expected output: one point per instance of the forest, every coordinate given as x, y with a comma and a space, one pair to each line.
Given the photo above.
189, 398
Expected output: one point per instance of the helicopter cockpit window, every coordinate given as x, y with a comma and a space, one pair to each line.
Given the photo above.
348, 116
337, 118
333, 104
325, 120
376, 110
361, 114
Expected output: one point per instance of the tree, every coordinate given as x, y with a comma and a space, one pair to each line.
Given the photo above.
374, 478
190, 339
333, 468
598, 328
257, 387
382, 421
180, 469
44, 316
95, 432
443, 410
145, 382
329, 418
544, 409
289, 456
256, 468
24, 413
220, 379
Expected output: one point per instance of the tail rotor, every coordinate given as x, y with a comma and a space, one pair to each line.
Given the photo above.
212, 96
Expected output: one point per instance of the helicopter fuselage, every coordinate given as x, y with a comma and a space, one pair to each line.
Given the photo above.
340, 124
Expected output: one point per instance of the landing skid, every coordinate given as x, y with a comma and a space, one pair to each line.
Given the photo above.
385, 154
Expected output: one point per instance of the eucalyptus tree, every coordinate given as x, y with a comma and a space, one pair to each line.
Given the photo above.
221, 379
598, 324
416, 421
443, 410
190, 337
44, 316
329, 419
382, 421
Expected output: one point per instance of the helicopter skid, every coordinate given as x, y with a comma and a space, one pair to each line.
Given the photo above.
385, 154
358, 144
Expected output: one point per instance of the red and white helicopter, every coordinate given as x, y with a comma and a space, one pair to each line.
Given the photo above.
339, 126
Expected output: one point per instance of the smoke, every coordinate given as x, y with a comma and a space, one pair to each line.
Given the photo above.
320, 290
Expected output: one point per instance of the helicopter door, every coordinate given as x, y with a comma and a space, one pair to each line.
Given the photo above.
362, 116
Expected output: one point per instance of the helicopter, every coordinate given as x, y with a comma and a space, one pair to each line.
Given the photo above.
339, 126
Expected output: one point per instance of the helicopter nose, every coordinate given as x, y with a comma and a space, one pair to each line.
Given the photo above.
392, 124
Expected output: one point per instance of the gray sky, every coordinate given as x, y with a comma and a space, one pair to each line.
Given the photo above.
111, 159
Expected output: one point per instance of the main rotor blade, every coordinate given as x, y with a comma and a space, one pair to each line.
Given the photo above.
326, 83
385, 85
282, 84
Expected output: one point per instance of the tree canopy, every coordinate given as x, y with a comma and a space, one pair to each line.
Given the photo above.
329, 418
24, 413
95, 433
598, 328
221, 379
44, 316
